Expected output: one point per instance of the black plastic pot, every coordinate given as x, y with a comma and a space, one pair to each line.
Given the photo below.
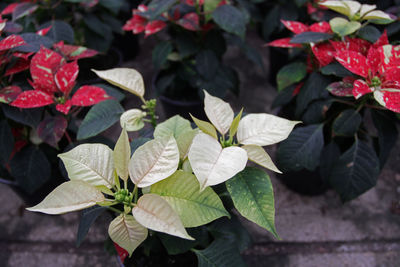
183, 108
304, 182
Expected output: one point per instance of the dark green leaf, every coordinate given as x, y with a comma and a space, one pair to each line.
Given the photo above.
160, 54
355, 172
34, 42
97, 26
99, 118
52, 129
6, 141
253, 197
23, 10
302, 149
290, 74
316, 111
88, 217
112, 91
30, 117
98, 42
113, 5
336, 69
331, 154
385, 124
369, 33
59, 31
175, 245
271, 22
215, 41
310, 37
157, 7
226, 79
347, 123
221, 253
207, 64
284, 96
314, 88
30, 168
230, 19
115, 24
186, 44
231, 229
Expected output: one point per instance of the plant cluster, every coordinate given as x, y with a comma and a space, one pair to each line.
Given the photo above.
172, 174
348, 74
191, 59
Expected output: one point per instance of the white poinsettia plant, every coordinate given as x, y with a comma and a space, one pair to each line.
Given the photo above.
165, 185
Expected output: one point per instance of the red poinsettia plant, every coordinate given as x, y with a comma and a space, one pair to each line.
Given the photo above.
346, 74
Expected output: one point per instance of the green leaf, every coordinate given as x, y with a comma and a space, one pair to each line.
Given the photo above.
30, 117
209, 7
252, 195
31, 168
221, 253
160, 53
310, 37
343, 27
385, 124
369, 33
205, 127
355, 172
291, 74
182, 192
207, 64
23, 9
111, 91
113, 5
122, 155
91, 163
316, 111
69, 196
59, 31
99, 118
88, 217
336, 69
175, 245
314, 88
184, 142
235, 124
127, 232
174, 126
347, 123
157, 7
230, 19
96, 25
302, 149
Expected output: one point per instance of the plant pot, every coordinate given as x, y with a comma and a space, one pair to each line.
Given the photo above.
173, 107
304, 182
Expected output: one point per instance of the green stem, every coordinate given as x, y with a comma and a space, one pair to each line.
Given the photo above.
135, 193
115, 210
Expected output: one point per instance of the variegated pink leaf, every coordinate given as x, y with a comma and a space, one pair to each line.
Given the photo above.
11, 42
284, 43
354, 62
361, 88
32, 99
22, 55
352, 44
89, 95
9, 93
20, 65
392, 74
389, 98
44, 65
44, 31
9, 9
66, 76
295, 26
324, 52
323, 27
64, 108
73, 52
341, 89
383, 40
52, 129
136, 24
154, 26
373, 60
189, 21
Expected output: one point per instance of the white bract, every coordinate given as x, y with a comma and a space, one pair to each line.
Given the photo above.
94, 168
132, 119
356, 11
214, 161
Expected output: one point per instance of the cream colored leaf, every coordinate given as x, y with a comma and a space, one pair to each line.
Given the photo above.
91, 163
175, 126
153, 212
235, 123
377, 14
263, 129
132, 119
205, 127
122, 155
69, 196
258, 155
184, 142
348, 8
365, 9
127, 232
125, 78
218, 112
154, 161
2, 25
211, 163
354, 7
